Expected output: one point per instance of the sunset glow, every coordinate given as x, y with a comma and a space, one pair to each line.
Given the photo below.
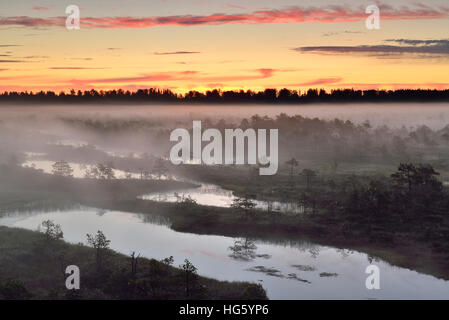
187, 45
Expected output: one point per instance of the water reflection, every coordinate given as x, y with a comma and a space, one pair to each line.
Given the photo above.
81, 170
245, 250
30, 208
272, 272
287, 270
213, 195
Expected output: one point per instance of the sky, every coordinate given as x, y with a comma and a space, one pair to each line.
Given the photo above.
187, 45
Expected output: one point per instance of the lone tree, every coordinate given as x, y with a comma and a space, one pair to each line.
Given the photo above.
105, 171
62, 168
412, 176
404, 175
51, 231
244, 204
190, 273
100, 244
292, 163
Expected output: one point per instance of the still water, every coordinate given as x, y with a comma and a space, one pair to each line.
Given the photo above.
287, 270
206, 194
79, 170
213, 195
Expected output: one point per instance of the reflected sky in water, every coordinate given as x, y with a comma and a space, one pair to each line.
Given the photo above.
213, 195
279, 267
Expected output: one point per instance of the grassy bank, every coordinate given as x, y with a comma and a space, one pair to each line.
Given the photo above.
33, 268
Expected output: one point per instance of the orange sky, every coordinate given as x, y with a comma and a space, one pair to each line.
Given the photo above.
185, 44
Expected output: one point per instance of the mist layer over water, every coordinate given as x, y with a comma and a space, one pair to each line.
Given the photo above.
434, 115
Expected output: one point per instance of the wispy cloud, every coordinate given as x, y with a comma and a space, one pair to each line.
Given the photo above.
256, 74
39, 8
83, 59
188, 75
332, 33
36, 57
163, 76
11, 61
175, 53
406, 46
329, 14
414, 42
26, 21
74, 68
317, 82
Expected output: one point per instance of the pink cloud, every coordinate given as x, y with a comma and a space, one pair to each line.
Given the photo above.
164, 76
266, 72
332, 14
317, 82
180, 76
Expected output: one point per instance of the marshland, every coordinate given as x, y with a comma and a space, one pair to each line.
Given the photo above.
356, 185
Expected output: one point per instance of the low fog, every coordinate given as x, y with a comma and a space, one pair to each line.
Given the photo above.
320, 136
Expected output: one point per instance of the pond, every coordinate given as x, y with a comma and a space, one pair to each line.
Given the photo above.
213, 195
287, 270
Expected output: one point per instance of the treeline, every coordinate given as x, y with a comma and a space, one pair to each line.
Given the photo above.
219, 96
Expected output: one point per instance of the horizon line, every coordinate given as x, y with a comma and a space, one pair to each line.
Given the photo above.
220, 90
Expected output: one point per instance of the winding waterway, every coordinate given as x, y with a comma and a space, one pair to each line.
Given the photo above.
287, 270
